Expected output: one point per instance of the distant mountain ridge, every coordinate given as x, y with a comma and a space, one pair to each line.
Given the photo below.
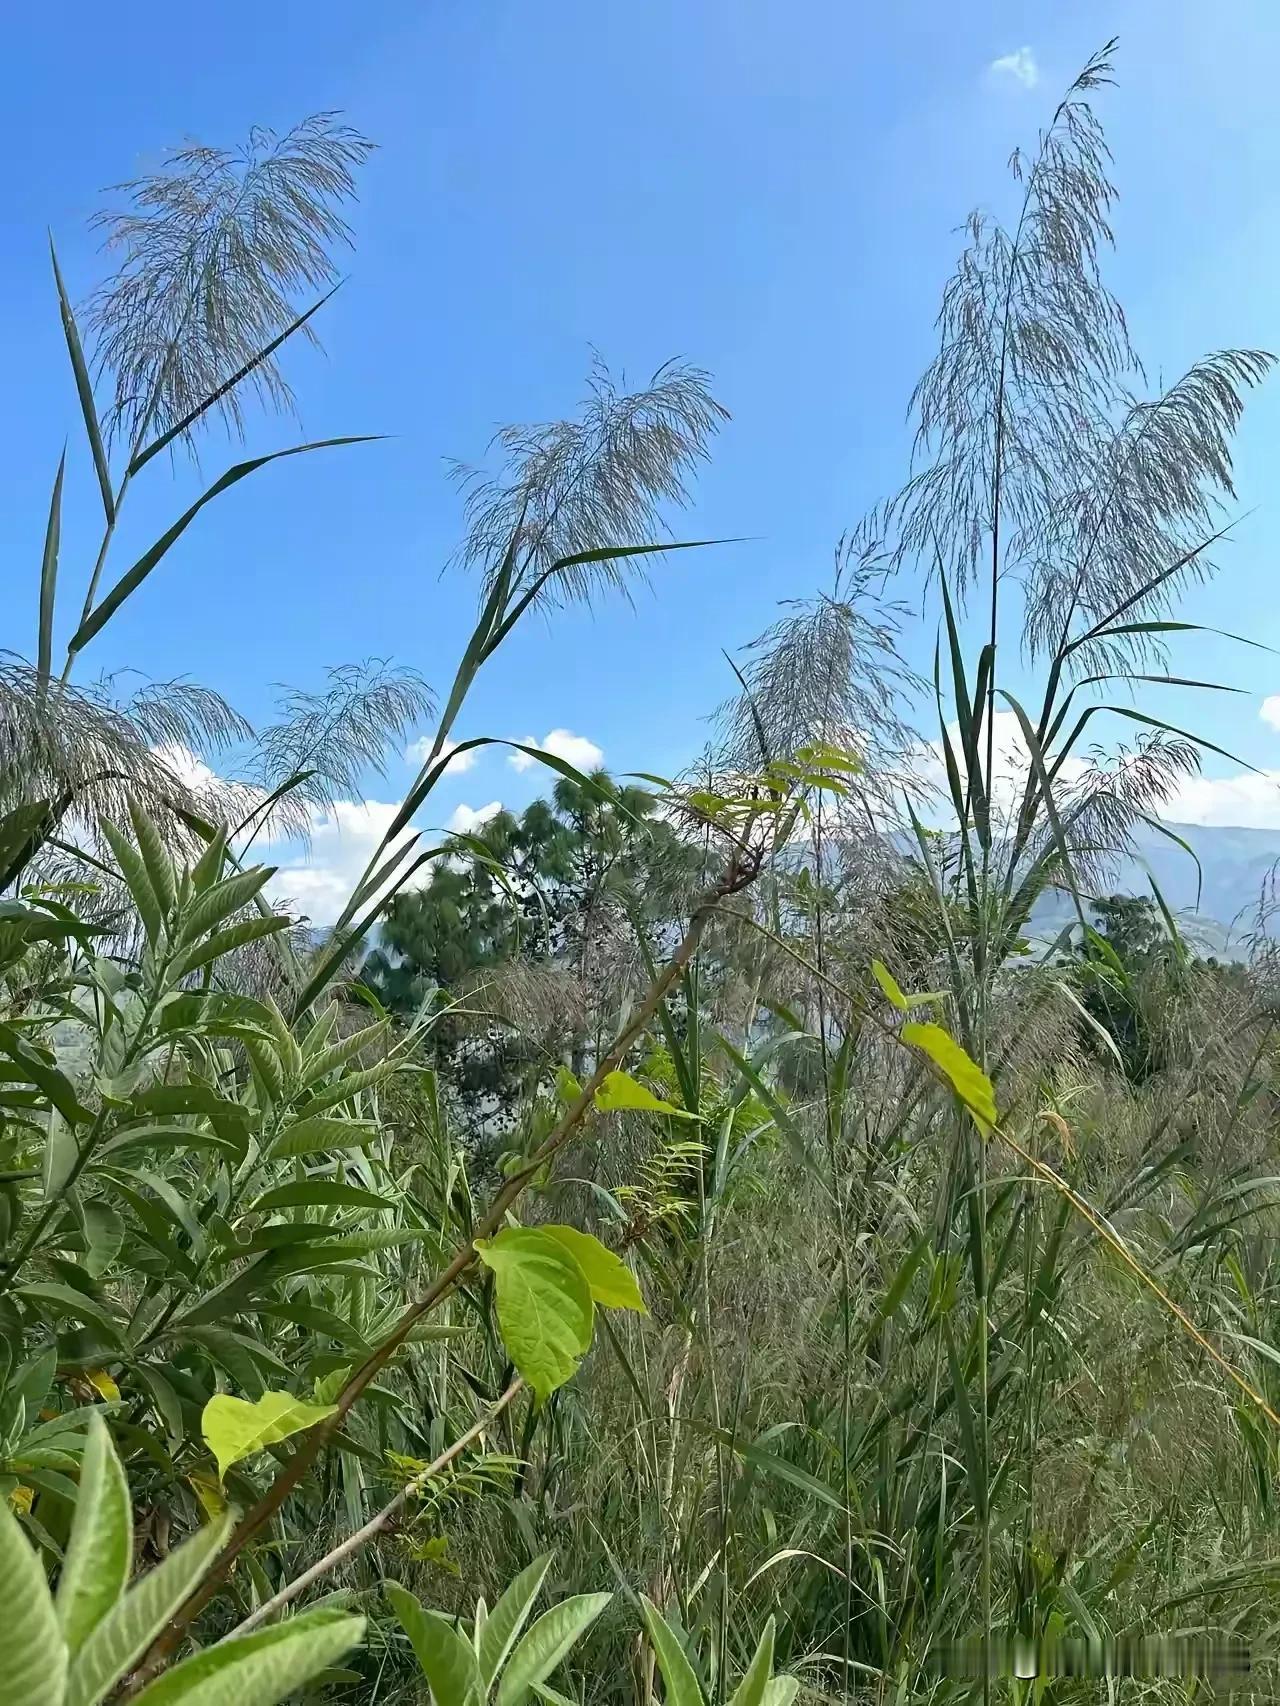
1234, 866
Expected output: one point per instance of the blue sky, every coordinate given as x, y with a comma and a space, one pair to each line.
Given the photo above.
769, 189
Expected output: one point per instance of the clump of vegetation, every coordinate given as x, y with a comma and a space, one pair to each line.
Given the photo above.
702, 1205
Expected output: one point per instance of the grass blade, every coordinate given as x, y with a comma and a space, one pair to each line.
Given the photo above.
84, 390
49, 576
133, 579
153, 449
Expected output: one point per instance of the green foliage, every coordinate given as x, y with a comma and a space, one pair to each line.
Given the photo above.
100, 1555
620, 1092
958, 1307
966, 1078
503, 1659
551, 888
758, 1687
234, 1429
72, 1650
548, 1280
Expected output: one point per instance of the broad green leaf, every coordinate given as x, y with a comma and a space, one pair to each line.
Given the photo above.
169, 1137
167, 1404
220, 901
56, 1086
904, 1003
259, 1669
310, 1193
611, 1280
286, 1044
189, 1099
345, 1088
318, 1320
823, 756
547, 1643
134, 577
226, 941
104, 1234
750, 1691
100, 1552
339, 1053
134, 872
241, 1358
781, 1690
545, 1311
206, 871
155, 857
966, 1077
682, 1686
61, 1155
319, 1132
497, 1635
889, 984
215, 1013
33, 1654
446, 1658
131, 1625
62, 1299
279, 1235
345, 1249
568, 1089
552, 1696
620, 1092
234, 1429
32, 1380
266, 1066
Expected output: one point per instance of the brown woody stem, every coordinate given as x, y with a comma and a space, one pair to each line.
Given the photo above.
383, 1519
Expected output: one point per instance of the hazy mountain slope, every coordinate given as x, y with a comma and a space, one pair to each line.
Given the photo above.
1234, 866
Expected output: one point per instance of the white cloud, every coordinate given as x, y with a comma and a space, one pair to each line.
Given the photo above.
1243, 801
319, 882
577, 750
1239, 802
190, 769
466, 820
1020, 66
1011, 761
419, 751
1248, 800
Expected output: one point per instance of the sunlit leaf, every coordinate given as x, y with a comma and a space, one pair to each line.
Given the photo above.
611, 1280
888, 983
620, 1092
965, 1076
545, 1309
100, 1553
546, 1644
234, 1428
